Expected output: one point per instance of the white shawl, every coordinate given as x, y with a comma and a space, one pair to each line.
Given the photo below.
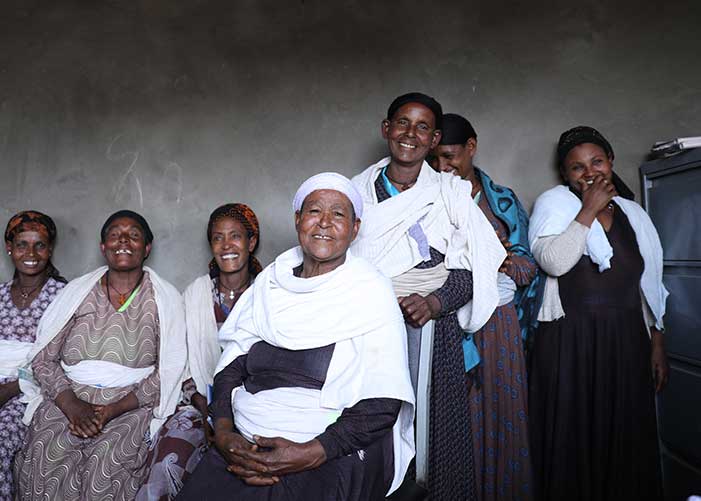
203, 350
555, 209
454, 225
13, 355
172, 353
352, 306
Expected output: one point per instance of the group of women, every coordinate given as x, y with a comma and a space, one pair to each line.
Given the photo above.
396, 327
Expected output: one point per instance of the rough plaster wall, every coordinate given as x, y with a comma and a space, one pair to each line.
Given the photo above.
172, 108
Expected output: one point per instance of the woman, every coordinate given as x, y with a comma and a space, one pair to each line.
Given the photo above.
232, 233
29, 240
423, 230
312, 396
592, 393
109, 360
498, 397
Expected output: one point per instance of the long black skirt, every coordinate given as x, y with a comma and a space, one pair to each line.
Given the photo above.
361, 476
592, 409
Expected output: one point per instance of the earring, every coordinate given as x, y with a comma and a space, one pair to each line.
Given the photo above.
9, 253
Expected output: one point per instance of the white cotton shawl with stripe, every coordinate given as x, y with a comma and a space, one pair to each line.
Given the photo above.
352, 307
454, 225
172, 353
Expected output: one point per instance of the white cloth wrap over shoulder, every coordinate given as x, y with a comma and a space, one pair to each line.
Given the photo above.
172, 352
353, 307
202, 344
453, 224
556, 208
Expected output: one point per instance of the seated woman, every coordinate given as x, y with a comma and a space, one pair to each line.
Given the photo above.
29, 240
312, 396
423, 230
598, 345
232, 233
109, 360
498, 396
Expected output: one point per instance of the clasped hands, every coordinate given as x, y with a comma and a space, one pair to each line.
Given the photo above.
263, 462
86, 420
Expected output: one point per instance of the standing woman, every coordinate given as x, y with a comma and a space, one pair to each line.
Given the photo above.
29, 240
599, 342
498, 396
232, 233
109, 360
422, 230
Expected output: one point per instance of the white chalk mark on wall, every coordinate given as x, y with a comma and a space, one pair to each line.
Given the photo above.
174, 170
122, 186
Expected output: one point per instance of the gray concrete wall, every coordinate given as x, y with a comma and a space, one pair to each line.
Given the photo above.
172, 108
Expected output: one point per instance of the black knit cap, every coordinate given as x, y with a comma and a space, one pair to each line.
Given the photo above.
580, 135
456, 129
148, 234
417, 97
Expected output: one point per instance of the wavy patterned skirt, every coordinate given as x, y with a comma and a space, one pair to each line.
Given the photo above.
58, 465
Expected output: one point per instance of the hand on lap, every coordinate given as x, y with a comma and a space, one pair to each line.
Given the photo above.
233, 448
81, 417
281, 456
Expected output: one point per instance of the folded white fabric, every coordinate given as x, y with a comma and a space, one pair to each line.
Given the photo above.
453, 224
556, 208
103, 374
13, 355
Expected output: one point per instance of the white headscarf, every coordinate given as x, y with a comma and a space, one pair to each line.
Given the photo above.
329, 181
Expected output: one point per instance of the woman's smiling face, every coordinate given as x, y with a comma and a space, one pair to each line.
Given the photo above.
326, 226
411, 133
585, 162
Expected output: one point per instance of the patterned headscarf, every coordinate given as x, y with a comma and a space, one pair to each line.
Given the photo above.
244, 215
31, 220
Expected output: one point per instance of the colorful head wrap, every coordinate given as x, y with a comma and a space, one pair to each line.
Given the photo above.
580, 135
148, 234
244, 215
456, 130
31, 220
417, 97
329, 181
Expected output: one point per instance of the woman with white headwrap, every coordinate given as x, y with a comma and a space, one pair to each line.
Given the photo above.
312, 395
